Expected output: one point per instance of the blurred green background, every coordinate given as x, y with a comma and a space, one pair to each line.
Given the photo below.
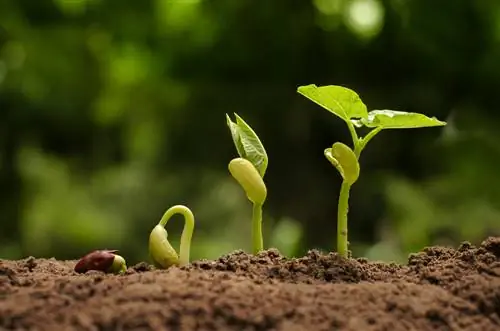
112, 111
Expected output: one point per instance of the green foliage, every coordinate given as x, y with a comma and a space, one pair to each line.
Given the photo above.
340, 101
248, 144
346, 104
391, 119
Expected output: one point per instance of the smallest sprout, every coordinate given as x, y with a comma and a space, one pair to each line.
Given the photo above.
102, 260
160, 250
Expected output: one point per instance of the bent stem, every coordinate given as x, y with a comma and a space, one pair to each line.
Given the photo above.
187, 231
343, 209
257, 241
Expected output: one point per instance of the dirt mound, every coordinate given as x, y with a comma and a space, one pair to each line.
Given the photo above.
439, 289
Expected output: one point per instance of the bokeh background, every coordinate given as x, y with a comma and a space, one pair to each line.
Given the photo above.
112, 111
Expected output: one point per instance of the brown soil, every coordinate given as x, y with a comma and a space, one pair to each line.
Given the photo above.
439, 289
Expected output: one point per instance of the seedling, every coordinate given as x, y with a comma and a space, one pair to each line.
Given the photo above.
160, 250
347, 105
249, 170
103, 260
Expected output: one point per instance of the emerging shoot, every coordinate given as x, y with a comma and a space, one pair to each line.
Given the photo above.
347, 105
102, 260
249, 170
160, 250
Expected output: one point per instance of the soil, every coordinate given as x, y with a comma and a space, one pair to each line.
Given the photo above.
438, 289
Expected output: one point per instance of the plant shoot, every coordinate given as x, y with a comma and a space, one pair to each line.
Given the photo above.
160, 250
347, 105
249, 170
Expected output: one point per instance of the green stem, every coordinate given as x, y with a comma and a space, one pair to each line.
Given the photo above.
343, 209
257, 242
354, 134
364, 141
187, 231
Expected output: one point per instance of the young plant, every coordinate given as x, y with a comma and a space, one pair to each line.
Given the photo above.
347, 105
249, 170
160, 250
102, 260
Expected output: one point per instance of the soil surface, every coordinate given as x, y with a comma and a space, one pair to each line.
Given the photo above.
439, 289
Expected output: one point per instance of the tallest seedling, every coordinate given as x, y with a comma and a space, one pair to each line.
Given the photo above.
347, 105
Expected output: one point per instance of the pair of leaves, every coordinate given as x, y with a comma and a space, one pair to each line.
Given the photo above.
248, 144
346, 104
344, 160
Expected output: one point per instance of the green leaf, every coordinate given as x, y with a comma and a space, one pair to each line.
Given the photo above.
343, 158
248, 144
341, 101
391, 119
235, 135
